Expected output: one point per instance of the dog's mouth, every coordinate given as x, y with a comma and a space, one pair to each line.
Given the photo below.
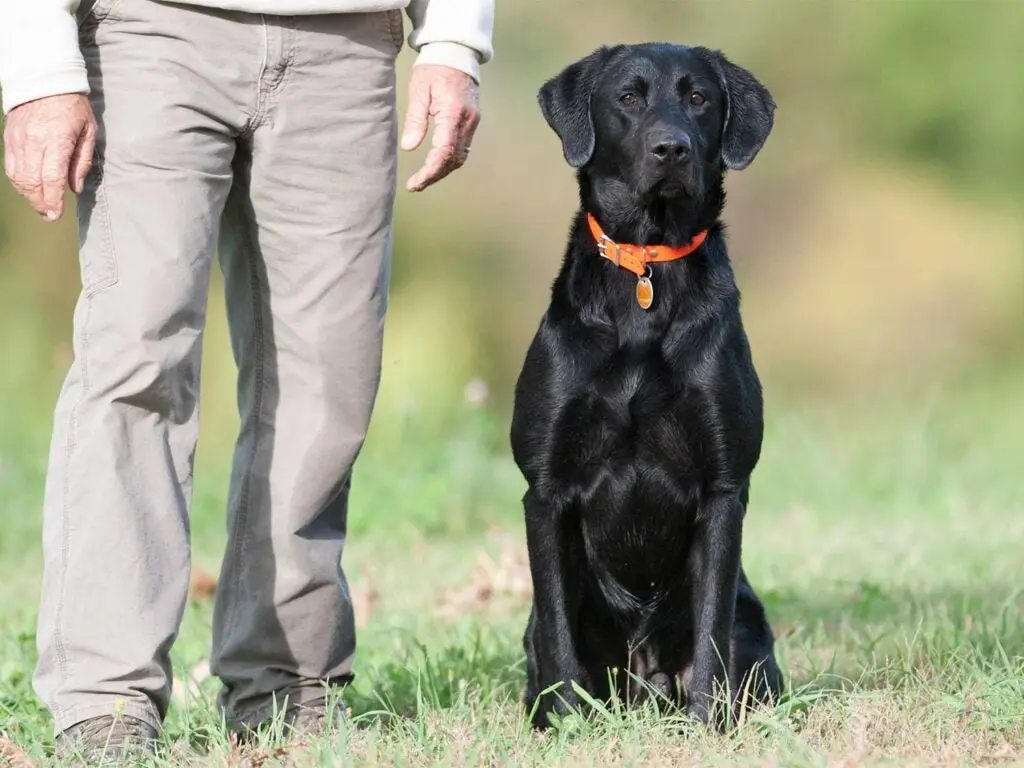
681, 184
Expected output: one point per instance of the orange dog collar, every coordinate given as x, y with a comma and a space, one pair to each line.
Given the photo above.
636, 258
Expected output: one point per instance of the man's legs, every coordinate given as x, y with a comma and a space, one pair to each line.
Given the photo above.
168, 88
305, 251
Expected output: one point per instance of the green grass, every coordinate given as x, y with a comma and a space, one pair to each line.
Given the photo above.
885, 537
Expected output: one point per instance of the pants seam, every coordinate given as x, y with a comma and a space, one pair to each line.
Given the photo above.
71, 442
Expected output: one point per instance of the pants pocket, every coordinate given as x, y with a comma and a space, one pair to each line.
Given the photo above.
396, 28
91, 12
97, 259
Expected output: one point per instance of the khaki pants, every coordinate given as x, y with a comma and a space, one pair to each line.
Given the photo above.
271, 141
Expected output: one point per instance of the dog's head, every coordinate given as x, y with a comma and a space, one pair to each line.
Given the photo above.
665, 120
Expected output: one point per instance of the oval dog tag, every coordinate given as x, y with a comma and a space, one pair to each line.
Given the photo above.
644, 292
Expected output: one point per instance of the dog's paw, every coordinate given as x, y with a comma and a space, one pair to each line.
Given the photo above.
661, 684
658, 687
552, 705
708, 711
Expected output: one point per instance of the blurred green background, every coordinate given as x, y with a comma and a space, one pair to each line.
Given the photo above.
878, 238
879, 246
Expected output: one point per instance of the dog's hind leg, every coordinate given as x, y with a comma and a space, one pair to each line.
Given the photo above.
755, 675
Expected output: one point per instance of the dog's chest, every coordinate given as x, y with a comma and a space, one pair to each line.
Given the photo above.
632, 425
631, 447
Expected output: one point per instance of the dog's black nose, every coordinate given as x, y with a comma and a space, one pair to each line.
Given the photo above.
668, 147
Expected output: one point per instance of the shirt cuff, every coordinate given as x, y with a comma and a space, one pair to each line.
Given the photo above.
72, 79
451, 55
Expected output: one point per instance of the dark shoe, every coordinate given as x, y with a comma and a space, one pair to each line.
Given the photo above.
106, 738
312, 719
315, 718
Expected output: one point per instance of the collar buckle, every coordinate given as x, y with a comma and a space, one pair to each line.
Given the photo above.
602, 247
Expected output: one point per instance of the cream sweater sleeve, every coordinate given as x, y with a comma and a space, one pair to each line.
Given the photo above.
39, 53
456, 33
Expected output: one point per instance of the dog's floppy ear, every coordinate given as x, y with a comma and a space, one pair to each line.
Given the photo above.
565, 103
749, 111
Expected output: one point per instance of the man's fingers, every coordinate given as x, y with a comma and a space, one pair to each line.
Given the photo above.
56, 162
470, 121
39, 172
49, 145
446, 97
440, 161
446, 132
81, 159
438, 164
10, 157
452, 137
28, 176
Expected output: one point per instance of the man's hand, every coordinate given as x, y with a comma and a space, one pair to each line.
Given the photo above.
450, 98
48, 144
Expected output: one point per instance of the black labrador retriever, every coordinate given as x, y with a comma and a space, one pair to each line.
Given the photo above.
638, 412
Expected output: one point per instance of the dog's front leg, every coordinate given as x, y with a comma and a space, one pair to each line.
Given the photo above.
551, 647
717, 578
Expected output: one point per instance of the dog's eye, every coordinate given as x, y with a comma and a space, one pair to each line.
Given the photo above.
698, 99
628, 99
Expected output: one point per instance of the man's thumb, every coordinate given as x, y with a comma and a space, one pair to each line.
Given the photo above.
415, 124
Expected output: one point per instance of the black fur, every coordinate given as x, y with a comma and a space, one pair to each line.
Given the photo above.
637, 431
